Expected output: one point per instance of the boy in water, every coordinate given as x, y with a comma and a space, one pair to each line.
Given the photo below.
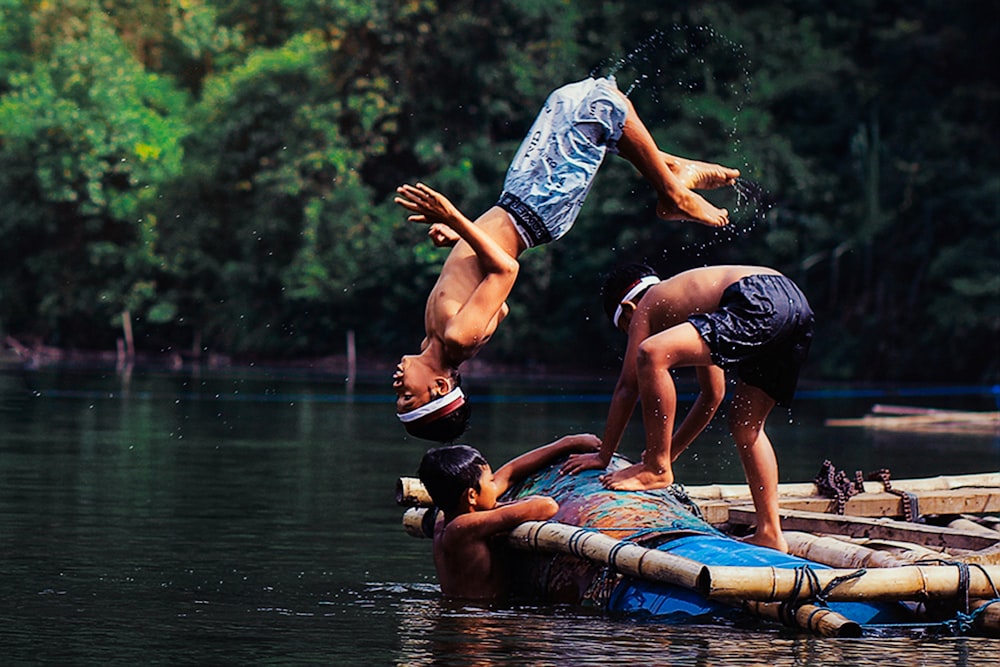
545, 187
750, 319
465, 489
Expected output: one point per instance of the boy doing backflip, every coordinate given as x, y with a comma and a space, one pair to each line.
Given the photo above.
465, 489
545, 187
748, 319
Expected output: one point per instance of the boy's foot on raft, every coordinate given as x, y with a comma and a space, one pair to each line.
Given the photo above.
692, 206
777, 543
636, 478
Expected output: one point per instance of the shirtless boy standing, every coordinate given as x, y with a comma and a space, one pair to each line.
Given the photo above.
465, 489
545, 187
748, 319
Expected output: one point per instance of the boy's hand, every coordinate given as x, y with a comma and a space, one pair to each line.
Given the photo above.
580, 462
428, 206
442, 236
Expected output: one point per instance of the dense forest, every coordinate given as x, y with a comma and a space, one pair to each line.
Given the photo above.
216, 176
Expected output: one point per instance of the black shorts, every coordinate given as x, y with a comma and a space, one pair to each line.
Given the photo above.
762, 329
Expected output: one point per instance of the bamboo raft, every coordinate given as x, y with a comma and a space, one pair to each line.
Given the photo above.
907, 419
671, 556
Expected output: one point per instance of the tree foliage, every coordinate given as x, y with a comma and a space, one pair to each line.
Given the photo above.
222, 170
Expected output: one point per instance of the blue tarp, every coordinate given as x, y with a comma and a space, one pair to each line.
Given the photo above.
664, 602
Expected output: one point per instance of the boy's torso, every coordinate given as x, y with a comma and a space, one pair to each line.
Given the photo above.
459, 277
699, 290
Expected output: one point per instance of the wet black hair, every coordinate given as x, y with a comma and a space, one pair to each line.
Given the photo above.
446, 472
447, 428
617, 284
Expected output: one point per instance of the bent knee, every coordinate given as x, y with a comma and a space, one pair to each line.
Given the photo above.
651, 357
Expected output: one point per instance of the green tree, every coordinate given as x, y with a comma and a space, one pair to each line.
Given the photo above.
87, 139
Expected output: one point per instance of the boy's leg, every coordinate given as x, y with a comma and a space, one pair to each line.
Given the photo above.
747, 415
677, 347
677, 202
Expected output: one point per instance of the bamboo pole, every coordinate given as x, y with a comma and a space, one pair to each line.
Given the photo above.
910, 582
411, 493
626, 557
415, 522
820, 621
973, 527
838, 553
988, 556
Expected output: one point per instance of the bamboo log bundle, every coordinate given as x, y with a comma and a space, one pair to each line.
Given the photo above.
736, 585
820, 621
838, 553
910, 582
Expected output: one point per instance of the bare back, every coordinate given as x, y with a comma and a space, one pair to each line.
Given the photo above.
695, 291
468, 566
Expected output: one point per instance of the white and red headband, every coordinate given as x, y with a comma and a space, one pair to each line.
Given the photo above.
439, 407
637, 287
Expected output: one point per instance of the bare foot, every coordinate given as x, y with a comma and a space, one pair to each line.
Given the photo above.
692, 206
777, 542
697, 175
636, 477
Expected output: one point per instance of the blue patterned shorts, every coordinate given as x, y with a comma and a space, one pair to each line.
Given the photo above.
552, 172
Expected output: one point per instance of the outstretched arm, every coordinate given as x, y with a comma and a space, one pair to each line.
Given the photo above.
712, 384
517, 469
485, 307
623, 402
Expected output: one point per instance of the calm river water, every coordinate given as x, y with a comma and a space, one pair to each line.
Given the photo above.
248, 517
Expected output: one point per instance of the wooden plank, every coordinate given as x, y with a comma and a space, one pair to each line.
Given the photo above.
805, 489
815, 522
955, 501
716, 512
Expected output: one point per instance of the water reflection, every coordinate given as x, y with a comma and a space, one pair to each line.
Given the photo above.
248, 518
431, 633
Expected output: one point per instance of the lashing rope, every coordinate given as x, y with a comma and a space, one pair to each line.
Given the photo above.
805, 575
965, 618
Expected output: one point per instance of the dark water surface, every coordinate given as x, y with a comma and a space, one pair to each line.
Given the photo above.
248, 518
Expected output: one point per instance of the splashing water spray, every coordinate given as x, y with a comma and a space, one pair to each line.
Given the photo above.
679, 69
